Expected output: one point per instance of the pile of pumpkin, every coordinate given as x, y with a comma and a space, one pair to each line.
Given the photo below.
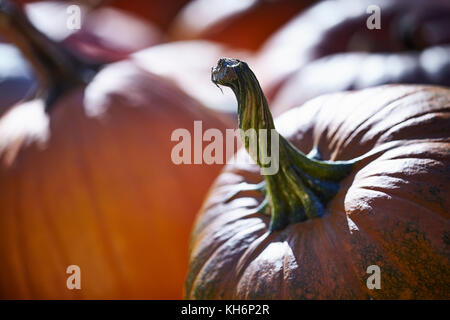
87, 179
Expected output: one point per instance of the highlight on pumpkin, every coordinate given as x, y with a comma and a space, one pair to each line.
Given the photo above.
319, 170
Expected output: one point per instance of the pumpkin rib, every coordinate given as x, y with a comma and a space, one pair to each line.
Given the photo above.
400, 123
320, 252
284, 269
284, 274
413, 117
232, 206
361, 125
199, 267
344, 246
264, 261
416, 157
402, 142
398, 196
18, 261
111, 253
246, 258
51, 229
221, 246
414, 122
379, 241
443, 217
250, 213
236, 275
87, 179
385, 248
206, 233
435, 206
350, 275
23, 248
250, 253
134, 176
360, 130
329, 113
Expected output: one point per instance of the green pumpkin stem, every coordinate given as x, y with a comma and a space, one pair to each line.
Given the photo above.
301, 187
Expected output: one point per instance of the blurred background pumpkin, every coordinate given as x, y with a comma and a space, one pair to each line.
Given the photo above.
238, 23
331, 27
87, 179
358, 70
94, 41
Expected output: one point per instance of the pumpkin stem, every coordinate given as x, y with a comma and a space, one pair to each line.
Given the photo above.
303, 184
58, 70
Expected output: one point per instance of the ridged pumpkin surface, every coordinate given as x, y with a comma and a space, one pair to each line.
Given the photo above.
392, 211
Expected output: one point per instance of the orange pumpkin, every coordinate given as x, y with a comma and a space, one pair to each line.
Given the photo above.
331, 27
87, 179
106, 34
159, 12
359, 70
241, 24
380, 200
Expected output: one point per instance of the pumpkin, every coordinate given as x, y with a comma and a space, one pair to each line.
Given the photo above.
331, 27
242, 24
359, 70
374, 192
94, 41
87, 179
159, 12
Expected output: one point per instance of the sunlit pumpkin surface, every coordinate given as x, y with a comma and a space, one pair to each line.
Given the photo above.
393, 209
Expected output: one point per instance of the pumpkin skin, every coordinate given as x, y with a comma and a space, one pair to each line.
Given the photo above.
392, 210
159, 12
101, 191
331, 27
94, 42
359, 70
241, 24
